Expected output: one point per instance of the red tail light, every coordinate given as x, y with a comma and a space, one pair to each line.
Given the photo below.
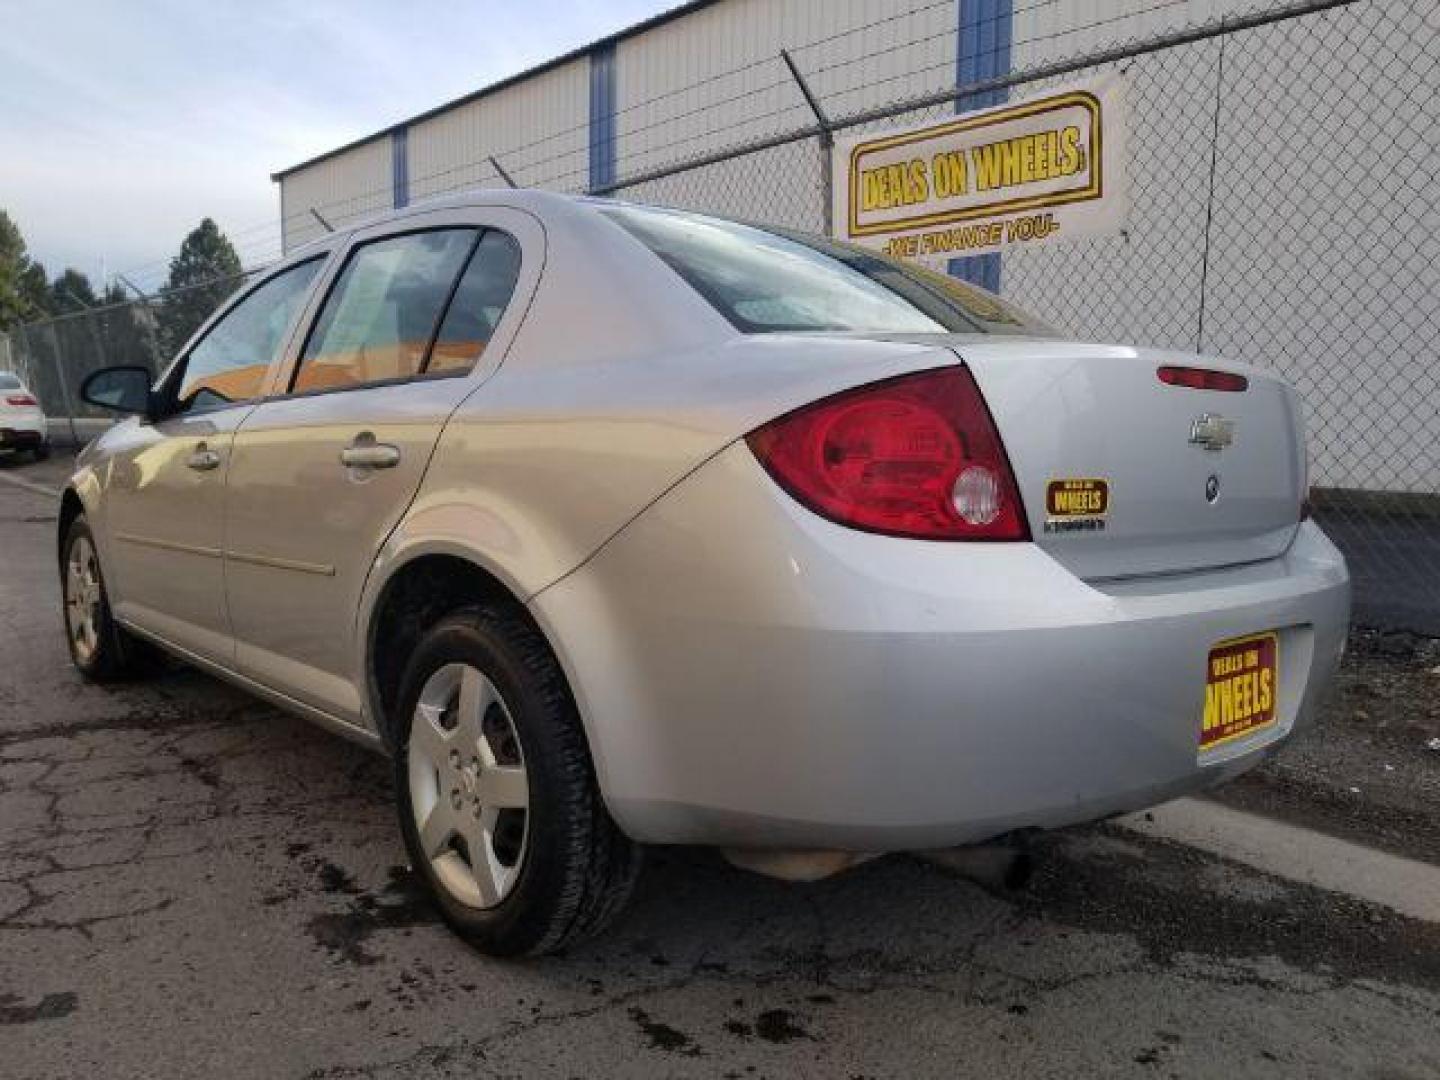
20, 399
916, 456
1203, 378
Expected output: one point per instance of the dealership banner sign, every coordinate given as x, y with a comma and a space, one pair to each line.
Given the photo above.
1030, 172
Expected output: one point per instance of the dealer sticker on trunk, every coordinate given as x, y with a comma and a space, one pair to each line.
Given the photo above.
1076, 505
1241, 682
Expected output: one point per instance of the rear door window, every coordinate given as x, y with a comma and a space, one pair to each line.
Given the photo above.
382, 312
480, 299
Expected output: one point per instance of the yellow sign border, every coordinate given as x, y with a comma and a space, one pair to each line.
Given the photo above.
1093, 190
1272, 635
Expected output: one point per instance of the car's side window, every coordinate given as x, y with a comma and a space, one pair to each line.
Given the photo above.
480, 299
228, 365
377, 323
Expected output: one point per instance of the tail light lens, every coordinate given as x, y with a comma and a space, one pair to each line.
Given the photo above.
916, 456
20, 400
1202, 378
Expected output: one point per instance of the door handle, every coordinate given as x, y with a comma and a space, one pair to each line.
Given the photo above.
203, 459
365, 453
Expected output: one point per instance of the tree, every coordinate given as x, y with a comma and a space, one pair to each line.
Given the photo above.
204, 273
71, 291
35, 291
24, 294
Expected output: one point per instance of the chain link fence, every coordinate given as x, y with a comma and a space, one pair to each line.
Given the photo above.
1282, 163
55, 356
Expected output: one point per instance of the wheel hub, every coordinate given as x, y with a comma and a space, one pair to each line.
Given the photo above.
469, 789
83, 596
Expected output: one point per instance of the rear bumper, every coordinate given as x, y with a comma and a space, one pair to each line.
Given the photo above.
751, 675
22, 433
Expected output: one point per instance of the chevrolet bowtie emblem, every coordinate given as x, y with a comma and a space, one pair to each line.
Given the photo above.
1212, 432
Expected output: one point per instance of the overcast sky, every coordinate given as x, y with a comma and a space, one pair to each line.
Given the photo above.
124, 123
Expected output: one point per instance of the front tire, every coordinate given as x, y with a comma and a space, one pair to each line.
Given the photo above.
499, 805
100, 648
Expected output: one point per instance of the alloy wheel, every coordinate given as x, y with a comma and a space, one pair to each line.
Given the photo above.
83, 597
469, 790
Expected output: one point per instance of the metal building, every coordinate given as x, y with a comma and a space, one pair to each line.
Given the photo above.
702, 75
1281, 156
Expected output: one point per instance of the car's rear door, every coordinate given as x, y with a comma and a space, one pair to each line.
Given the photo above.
411, 322
165, 480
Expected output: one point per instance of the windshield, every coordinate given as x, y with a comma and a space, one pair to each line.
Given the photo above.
768, 280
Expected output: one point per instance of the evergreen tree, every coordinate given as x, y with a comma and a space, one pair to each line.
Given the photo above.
24, 294
204, 273
71, 291
35, 291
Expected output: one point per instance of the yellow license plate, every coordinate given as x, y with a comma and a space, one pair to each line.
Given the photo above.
1242, 685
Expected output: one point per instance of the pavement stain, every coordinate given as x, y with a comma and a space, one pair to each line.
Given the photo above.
663, 1036
772, 1025
335, 879
779, 1026
49, 1007
401, 904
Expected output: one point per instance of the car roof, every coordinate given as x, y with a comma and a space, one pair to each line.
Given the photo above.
545, 205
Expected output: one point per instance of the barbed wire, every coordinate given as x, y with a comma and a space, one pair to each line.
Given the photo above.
516, 154
362, 204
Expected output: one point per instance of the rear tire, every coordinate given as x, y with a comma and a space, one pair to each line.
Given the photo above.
520, 854
101, 650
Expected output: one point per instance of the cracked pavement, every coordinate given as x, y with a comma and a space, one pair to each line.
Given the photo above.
192, 882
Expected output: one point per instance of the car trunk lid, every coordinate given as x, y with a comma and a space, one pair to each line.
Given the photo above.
1123, 474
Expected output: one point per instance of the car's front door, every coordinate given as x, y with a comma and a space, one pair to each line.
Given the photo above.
321, 475
164, 502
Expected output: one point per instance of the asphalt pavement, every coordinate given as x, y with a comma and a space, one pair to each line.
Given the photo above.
192, 883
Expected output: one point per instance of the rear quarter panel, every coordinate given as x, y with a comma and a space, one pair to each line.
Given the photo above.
543, 464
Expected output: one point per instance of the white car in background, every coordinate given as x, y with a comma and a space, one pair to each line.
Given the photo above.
22, 421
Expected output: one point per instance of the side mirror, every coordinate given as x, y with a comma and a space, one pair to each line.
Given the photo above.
121, 389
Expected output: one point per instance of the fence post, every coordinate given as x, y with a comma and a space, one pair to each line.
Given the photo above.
826, 141
500, 171
64, 383
25, 356
98, 339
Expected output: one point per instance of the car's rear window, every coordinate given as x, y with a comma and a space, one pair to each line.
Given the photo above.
768, 280
8, 382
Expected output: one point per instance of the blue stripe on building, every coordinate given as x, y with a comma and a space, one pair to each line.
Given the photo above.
983, 53
602, 115
400, 166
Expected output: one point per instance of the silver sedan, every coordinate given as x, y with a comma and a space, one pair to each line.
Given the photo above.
618, 526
